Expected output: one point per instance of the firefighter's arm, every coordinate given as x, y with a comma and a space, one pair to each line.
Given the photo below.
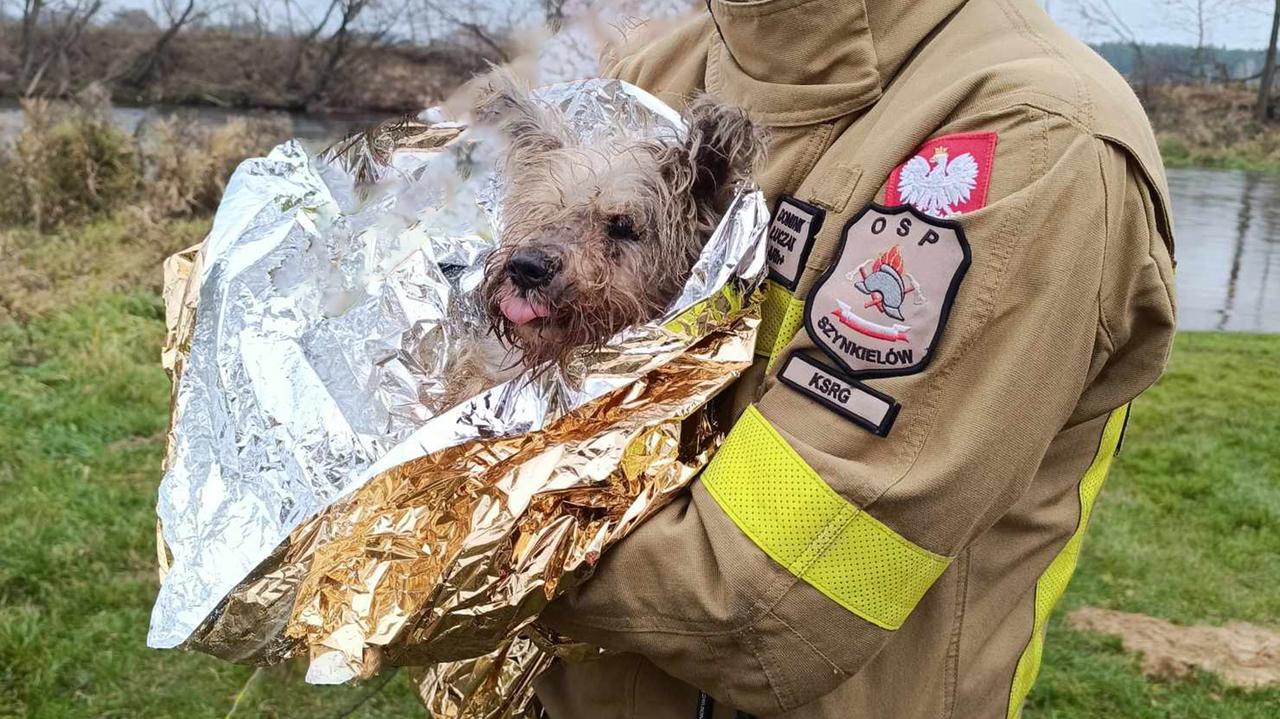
809, 540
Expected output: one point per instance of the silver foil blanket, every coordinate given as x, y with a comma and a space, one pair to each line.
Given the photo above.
321, 496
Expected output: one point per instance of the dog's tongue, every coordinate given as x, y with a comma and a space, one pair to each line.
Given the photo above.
520, 310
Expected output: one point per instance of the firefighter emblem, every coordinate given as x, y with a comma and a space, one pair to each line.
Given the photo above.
880, 308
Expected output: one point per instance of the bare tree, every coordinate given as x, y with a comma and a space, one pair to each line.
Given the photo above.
31, 12
490, 27
338, 45
61, 26
1196, 19
305, 42
1269, 69
178, 14
1101, 16
478, 21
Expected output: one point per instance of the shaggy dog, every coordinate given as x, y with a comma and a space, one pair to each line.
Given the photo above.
602, 234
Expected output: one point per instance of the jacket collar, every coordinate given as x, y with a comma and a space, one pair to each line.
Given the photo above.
799, 62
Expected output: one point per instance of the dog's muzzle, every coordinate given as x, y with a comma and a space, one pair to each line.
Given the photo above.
530, 268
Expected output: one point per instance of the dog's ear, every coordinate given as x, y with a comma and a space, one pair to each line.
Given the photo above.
504, 103
724, 147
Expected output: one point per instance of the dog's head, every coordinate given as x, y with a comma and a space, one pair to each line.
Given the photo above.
601, 235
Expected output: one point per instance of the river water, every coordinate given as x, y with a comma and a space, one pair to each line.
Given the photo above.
1228, 246
1227, 223
313, 129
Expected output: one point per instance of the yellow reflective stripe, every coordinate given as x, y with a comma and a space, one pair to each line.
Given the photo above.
786, 509
1053, 582
782, 315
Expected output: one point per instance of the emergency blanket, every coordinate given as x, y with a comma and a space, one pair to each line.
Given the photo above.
318, 500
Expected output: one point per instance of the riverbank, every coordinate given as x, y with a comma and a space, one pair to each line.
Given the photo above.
1213, 127
71, 163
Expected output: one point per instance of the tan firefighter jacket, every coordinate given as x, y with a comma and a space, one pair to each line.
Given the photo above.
971, 279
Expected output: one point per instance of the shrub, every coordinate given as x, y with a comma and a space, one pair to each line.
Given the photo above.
186, 166
71, 164
67, 169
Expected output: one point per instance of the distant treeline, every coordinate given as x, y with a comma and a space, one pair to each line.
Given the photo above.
213, 66
1178, 64
344, 54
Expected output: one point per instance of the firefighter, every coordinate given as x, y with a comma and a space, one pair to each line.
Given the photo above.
970, 280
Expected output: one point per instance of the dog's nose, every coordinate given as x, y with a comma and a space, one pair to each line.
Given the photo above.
530, 268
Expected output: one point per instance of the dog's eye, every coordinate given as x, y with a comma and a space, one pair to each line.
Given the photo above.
621, 227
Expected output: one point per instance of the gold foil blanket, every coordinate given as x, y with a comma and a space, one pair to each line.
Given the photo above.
319, 499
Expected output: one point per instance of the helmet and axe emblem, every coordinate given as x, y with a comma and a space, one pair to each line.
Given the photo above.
887, 284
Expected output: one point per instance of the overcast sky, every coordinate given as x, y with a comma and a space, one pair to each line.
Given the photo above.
1231, 23
1237, 24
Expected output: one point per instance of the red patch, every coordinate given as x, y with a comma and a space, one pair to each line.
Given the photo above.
947, 176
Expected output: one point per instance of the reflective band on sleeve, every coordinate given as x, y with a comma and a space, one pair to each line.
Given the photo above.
782, 316
786, 509
1053, 582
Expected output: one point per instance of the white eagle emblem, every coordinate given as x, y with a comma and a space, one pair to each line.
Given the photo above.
936, 190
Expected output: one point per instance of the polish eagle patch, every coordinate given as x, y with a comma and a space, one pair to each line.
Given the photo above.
880, 309
948, 176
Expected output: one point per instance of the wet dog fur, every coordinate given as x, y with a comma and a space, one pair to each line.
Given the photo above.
601, 235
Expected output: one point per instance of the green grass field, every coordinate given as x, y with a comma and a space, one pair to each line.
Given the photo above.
1188, 527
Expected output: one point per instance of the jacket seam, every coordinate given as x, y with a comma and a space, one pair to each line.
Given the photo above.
1027, 97
764, 10
1035, 595
817, 652
951, 665
715, 656
785, 118
781, 694
813, 151
1020, 21
635, 687
1106, 250
1031, 637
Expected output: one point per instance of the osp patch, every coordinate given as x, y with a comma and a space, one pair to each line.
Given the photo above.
879, 310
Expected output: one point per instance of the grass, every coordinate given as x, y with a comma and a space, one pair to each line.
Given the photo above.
1188, 527
82, 422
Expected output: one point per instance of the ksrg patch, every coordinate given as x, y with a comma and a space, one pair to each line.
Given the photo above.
873, 411
879, 310
791, 234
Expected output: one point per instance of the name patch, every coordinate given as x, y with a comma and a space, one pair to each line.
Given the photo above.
873, 411
879, 310
791, 234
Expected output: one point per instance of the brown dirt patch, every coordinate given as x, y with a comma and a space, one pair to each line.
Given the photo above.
1241, 654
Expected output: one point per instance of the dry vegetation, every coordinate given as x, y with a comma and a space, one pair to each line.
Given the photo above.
1212, 126
85, 207
219, 67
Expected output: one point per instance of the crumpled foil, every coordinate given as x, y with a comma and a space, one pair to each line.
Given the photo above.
324, 490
